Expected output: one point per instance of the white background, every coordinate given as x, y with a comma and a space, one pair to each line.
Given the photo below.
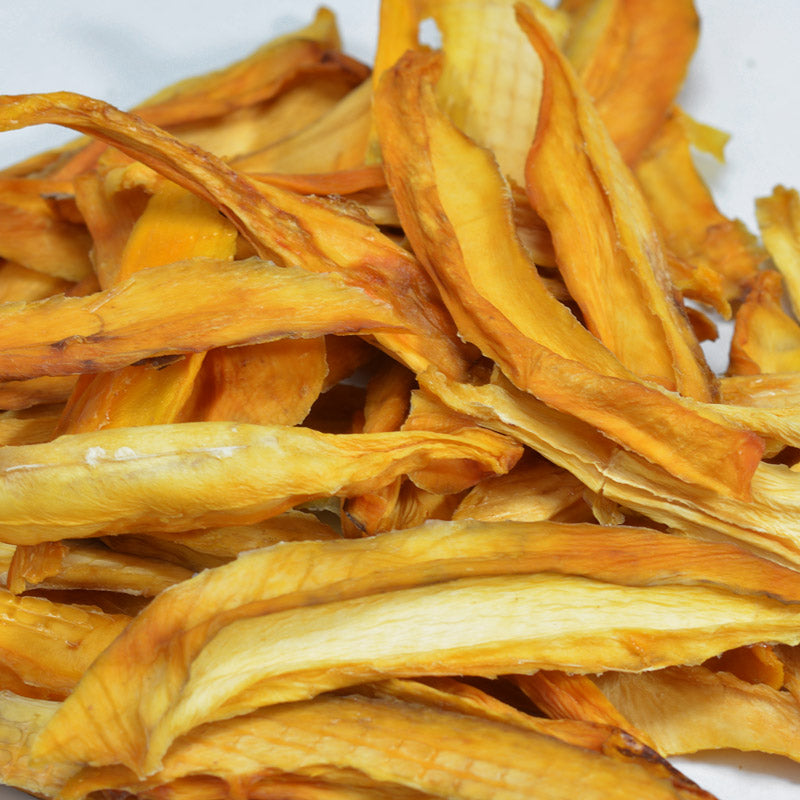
745, 79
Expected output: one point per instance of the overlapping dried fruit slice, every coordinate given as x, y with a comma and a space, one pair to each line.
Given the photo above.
491, 287
290, 621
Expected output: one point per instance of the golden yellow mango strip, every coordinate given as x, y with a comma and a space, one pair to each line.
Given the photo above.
313, 50
91, 565
444, 753
190, 475
141, 675
606, 243
632, 57
235, 303
280, 225
50, 645
492, 290
468, 626
563, 695
685, 709
765, 338
20, 283
47, 390
211, 547
21, 719
272, 383
778, 218
534, 490
723, 254
111, 201
767, 523
338, 140
33, 235
174, 226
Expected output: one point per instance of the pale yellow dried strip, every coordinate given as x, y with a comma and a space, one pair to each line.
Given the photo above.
445, 754
183, 476
687, 709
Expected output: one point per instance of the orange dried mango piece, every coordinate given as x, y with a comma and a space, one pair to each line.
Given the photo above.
684, 709
605, 239
723, 256
148, 663
493, 291
765, 338
241, 302
632, 56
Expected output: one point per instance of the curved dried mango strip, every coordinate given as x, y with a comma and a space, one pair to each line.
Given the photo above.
767, 523
198, 474
491, 80
234, 303
468, 626
21, 719
281, 225
689, 708
442, 183
141, 675
723, 254
632, 56
444, 752
608, 249
34, 235
51, 645
778, 218
765, 338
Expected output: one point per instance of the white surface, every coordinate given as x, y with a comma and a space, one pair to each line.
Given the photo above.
744, 80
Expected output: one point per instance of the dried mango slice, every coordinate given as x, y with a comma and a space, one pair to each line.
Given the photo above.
430, 750
778, 218
723, 254
584, 625
211, 547
337, 140
493, 292
765, 338
190, 475
47, 390
21, 719
50, 645
272, 383
90, 565
279, 224
33, 235
240, 302
562, 695
148, 662
632, 57
608, 250
766, 523
20, 283
533, 490
491, 81
689, 708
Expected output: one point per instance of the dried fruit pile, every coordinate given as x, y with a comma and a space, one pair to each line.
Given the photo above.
357, 437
